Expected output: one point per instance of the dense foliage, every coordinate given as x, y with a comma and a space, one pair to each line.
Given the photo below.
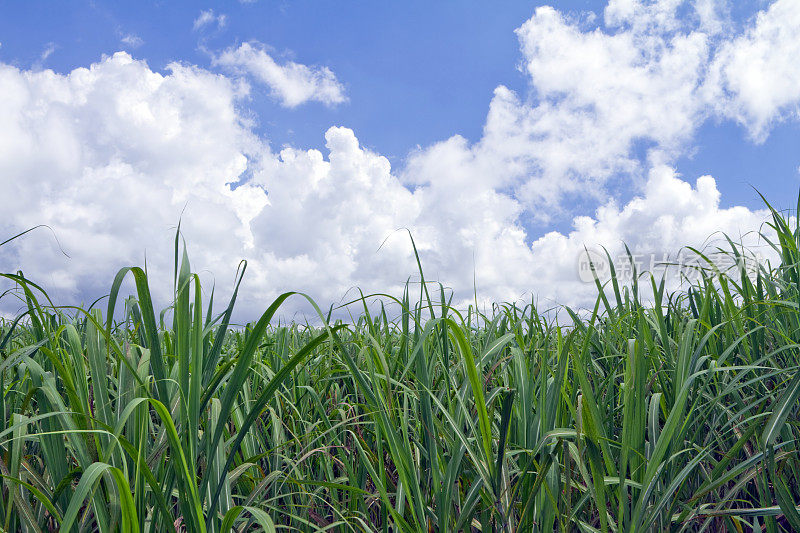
675, 415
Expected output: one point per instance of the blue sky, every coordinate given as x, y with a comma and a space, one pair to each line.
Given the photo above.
413, 74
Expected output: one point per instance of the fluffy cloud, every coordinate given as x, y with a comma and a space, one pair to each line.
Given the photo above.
111, 156
657, 226
596, 96
602, 94
291, 83
754, 77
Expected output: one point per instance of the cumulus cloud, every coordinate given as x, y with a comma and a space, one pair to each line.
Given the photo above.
110, 157
290, 83
657, 226
601, 95
596, 96
754, 78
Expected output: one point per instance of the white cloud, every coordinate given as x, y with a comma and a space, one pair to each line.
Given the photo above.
48, 51
755, 78
291, 83
132, 40
596, 98
643, 82
110, 156
209, 18
670, 215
